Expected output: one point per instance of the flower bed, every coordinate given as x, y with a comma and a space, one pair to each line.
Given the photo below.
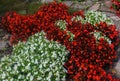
90, 38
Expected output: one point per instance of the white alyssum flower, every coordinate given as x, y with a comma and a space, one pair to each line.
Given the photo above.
77, 18
93, 17
99, 35
37, 59
61, 23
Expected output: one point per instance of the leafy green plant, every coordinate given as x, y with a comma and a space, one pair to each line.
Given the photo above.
37, 59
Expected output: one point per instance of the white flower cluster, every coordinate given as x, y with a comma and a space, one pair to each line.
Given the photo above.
93, 17
77, 18
62, 24
36, 60
71, 35
99, 35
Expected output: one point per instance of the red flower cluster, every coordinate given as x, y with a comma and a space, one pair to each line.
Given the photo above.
87, 57
85, 52
21, 27
92, 73
116, 6
109, 31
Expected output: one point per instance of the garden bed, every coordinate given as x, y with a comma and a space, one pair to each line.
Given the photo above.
86, 41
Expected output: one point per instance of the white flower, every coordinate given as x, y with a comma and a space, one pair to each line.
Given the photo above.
3, 75
31, 78
61, 23
94, 17
15, 67
20, 76
28, 66
99, 35
29, 74
39, 78
11, 79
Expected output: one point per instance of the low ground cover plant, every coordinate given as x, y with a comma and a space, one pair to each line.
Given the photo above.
37, 59
89, 37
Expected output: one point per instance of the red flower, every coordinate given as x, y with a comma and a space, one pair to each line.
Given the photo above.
99, 47
112, 46
74, 43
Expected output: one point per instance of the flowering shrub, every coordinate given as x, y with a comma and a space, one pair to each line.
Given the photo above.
90, 39
116, 6
37, 59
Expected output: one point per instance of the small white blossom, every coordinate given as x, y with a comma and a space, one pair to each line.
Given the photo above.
31, 78
35, 59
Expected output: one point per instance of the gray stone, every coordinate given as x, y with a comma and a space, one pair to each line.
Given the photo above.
77, 6
118, 50
106, 9
6, 37
95, 7
88, 2
117, 23
108, 3
2, 44
109, 14
116, 18
46, 1
68, 3
117, 68
9, 43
